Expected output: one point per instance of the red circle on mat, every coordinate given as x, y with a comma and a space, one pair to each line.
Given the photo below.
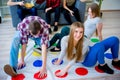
81, 71
61, 76
36, 76
98, 70
19, 77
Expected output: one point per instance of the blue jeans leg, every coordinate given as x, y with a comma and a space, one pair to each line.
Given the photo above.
33, 11
37, 41
96, 53
15, 50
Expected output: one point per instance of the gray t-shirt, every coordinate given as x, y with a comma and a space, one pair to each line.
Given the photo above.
90, 26
64, 45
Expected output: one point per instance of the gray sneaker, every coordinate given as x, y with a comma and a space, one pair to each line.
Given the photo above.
9, 70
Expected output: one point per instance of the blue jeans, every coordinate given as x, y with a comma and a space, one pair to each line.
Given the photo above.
23, 12
96, 52
15, 48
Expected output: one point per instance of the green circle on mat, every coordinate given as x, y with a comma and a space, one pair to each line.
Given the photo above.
35, 46
95, 40
54, 44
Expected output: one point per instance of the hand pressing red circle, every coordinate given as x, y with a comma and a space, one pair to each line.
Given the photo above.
61, 76
37, 77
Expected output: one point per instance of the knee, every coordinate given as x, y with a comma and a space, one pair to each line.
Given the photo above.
65, 29
19, 11
57, 34
115, 39
33, 9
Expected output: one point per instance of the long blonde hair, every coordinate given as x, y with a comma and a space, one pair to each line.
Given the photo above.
79, 45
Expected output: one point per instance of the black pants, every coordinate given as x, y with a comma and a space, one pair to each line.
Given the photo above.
67, 15
56, 16
58, 36
0, 19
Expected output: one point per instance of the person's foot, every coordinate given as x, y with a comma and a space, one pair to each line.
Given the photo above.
10, 70
105, 68
116, 63
37, 49
55, 50
55, 28
50, 31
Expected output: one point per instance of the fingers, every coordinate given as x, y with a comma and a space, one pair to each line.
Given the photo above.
56, 62
20, 66
41, 75
59, 74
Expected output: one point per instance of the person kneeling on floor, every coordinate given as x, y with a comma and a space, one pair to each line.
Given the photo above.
31, 27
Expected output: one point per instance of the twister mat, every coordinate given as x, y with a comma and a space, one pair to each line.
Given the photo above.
78, 71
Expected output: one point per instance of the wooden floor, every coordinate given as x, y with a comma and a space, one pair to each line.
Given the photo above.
111, 22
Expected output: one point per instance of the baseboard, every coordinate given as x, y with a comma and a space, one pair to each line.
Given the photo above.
109, 10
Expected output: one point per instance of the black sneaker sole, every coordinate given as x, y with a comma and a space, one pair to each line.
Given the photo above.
9, 70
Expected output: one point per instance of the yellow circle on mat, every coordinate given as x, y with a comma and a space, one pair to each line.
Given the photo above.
19, 55
36, 53
54, 53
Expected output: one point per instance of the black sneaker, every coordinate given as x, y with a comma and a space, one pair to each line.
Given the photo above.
106, 69
37, 50
116, 63
10, 70
53, 50
50, 31
55, 28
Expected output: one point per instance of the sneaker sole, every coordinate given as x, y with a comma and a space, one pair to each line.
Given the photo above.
9, 70
40, 51
36, 50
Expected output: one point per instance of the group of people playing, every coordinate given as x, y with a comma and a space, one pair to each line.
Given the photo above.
74, 44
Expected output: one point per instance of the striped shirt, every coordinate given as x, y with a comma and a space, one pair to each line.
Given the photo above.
23, 27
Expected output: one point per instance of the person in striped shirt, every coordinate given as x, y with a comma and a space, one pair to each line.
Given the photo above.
31, 27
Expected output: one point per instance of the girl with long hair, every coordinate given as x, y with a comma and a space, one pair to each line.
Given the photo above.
76, 48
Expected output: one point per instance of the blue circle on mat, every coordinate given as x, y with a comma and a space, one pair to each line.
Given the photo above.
37, 63
108, 55
55, 60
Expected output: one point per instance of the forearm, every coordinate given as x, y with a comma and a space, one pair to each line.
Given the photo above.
9, 3
66, 68
65, 6
23, 51
44, 55
100, 37
99, 30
